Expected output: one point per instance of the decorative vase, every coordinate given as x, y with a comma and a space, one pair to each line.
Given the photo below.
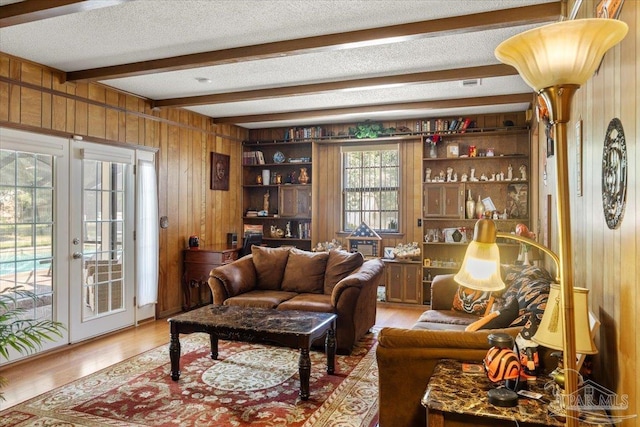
266, 177
433, 153
479, 208
304, 177
471, 206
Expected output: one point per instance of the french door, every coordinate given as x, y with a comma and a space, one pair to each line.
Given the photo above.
101, 214
67, 216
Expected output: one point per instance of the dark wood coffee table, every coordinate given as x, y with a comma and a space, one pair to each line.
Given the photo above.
294, 329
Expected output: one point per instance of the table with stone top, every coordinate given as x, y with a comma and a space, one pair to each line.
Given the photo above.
289, 328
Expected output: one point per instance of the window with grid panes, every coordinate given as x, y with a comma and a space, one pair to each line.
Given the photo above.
370, 187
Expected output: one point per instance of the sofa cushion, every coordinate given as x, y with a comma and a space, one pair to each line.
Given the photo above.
304, 271
471, 301
260, 298
450, 317
339, 265
308, 302
270, 264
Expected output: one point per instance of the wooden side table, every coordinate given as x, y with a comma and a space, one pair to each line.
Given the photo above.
456, 398
198, 263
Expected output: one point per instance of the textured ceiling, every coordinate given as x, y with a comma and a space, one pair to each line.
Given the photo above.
143, 30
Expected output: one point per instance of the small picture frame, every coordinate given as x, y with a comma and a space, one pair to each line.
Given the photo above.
453, 150
388, 253
219, 171
488, 204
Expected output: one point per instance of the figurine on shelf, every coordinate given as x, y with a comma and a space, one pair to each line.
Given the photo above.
304, 177
427, 175
510, 173
464, 177
483, 177
441, 176
493, 177
265, 203
523, 173
473, 175
501, 176
449, 174
455, 177
288, 228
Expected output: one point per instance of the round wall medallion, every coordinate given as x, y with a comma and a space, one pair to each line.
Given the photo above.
614, 174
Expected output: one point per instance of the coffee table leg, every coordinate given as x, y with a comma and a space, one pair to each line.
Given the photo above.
214, 346
330, 346
304, 369
174, 352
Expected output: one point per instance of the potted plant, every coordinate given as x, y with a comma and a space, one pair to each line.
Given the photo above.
19, 332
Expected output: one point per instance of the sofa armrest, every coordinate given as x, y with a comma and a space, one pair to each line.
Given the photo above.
443, 289
232, 279
368, 274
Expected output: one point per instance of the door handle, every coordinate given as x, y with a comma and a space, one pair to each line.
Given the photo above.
77, 255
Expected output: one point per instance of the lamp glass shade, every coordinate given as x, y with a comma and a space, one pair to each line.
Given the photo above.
562, 53
549, 333
480, 268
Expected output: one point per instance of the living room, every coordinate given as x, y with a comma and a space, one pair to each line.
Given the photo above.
604, 259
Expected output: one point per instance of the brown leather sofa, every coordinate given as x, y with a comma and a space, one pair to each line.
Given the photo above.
291, 279
406, 357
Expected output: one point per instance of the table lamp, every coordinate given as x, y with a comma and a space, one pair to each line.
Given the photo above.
549, 334
555, 60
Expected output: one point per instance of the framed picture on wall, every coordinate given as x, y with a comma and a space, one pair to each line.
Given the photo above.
219, 171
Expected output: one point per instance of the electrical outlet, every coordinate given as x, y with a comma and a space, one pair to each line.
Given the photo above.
419, 222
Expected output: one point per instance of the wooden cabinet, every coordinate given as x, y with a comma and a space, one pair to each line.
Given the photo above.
403, 281
198, 263
295, 201
443, 200
277, 203
490, 164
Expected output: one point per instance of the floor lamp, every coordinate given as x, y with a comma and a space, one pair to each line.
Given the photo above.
555, 60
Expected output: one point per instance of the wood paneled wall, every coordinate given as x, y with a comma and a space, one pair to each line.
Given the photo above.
32, 99
606, 261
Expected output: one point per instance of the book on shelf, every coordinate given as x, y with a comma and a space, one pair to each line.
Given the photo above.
252, 229
253, 158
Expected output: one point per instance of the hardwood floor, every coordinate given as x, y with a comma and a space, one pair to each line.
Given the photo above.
39, 374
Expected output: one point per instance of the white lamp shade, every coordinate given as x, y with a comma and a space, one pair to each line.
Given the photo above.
549, 333
480, 268
562, 53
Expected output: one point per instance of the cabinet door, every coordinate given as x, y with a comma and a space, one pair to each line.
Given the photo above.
394, 282
432, 199
453, 201
295, 201
412, 283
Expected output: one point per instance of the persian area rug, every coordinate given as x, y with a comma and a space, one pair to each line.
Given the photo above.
249, 384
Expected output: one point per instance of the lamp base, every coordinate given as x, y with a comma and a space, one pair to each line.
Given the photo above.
503, 397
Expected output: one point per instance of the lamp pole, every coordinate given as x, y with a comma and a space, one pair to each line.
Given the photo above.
558, 100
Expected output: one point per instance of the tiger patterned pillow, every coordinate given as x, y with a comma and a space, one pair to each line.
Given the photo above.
471, 301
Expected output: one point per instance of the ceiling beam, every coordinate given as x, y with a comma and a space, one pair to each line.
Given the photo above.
480, 72
36, 10
329, 42
418, 105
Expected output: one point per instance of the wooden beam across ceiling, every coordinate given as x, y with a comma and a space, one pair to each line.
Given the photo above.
418, 105
480, 72
329, 42
35, 10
